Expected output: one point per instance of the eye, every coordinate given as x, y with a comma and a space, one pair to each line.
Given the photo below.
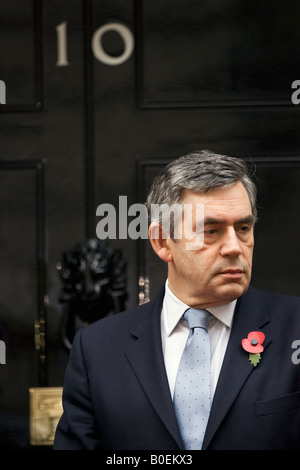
244, 230
211, 231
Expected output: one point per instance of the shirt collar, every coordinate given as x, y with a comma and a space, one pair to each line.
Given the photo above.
174, 308
224, 313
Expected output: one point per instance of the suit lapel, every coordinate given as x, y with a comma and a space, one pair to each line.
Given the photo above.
146, 359
249, 316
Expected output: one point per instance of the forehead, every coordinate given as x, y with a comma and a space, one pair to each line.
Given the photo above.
221, 202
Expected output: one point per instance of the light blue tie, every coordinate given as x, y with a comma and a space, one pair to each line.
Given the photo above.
192, 388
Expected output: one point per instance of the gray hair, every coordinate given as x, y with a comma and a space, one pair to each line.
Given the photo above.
200, 171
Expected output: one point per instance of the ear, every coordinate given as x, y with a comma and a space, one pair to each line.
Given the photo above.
159, 242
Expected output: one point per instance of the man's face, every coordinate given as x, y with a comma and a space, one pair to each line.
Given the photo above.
220, 270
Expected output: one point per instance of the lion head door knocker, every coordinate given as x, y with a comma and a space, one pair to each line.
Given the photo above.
94, 285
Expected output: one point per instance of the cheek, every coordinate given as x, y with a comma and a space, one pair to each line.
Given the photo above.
189, 263
248, 252
202, 263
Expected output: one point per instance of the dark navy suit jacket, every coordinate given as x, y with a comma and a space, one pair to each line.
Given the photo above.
116, 393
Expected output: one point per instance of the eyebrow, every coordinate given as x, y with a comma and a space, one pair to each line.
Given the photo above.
249, 219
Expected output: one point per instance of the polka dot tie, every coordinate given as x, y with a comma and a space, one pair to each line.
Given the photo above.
192, 388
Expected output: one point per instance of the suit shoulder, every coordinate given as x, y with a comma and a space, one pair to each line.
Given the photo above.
134, 317
278, 302
274, 296
109, 336
119, 323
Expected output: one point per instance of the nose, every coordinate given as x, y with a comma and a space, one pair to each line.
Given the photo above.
230, 244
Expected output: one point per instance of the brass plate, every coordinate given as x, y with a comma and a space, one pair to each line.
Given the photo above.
45, 412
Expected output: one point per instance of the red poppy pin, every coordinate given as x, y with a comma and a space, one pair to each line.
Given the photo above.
253, 345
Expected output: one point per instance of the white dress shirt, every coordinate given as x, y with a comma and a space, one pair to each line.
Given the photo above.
175, 331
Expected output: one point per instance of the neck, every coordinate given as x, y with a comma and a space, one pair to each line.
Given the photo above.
196, 300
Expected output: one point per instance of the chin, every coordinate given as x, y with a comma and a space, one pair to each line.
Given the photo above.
232, 291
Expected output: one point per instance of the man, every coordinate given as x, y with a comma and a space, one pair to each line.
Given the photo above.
122, 387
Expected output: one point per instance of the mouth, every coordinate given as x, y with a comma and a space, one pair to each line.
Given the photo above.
232, 273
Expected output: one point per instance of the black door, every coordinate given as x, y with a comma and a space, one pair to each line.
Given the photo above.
95, 98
